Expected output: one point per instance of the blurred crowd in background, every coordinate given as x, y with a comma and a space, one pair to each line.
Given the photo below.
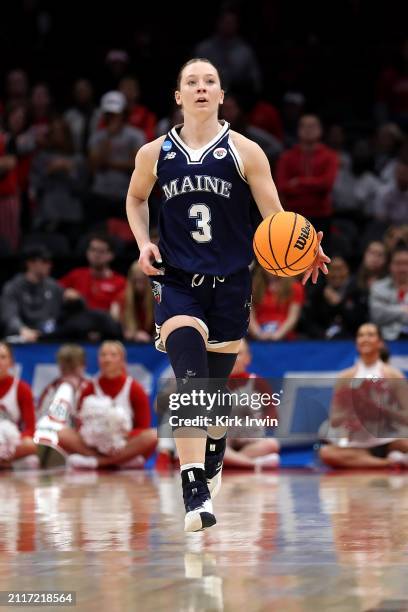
331, 116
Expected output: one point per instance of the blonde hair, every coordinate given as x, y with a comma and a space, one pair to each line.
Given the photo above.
70, 356
130, 319
283, 287
115, 343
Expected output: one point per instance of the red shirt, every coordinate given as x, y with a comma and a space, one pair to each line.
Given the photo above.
97, 292
25, 404
315, 172
8, 181
271, 310
141, 117
266, 117
137, 396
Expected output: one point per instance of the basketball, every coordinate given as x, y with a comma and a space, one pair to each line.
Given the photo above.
285, 244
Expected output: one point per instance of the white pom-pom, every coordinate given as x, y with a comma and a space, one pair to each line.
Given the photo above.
9, 439
104, 425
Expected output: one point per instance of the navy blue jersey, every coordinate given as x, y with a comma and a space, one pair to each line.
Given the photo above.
204, 221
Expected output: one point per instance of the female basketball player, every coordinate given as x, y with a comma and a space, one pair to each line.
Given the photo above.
359, 411
202, 288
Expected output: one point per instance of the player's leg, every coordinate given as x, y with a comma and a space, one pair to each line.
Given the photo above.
337, 457
220, 365
71, 441
264, 452
228, 322
25, 447
141, 445
185, 342
399, 452
235, 458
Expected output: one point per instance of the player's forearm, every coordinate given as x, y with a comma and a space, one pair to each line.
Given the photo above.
270, 207
138, 216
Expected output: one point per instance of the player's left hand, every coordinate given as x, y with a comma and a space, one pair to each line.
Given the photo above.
319, 263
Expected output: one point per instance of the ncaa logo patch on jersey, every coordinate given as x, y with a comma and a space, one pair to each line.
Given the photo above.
220, 153
171, 155
157, 292
167, 145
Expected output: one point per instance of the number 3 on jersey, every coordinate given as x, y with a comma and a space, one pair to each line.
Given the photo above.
201, 213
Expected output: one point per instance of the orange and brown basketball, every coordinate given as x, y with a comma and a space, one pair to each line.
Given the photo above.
285, 244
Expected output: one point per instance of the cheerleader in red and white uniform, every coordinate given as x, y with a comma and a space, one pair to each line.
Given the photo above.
17, 416
113, 419
369, 409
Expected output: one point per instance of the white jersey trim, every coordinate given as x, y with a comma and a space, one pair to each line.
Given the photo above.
196, 156
239, 164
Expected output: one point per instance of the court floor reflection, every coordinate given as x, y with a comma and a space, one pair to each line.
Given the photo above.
290, 541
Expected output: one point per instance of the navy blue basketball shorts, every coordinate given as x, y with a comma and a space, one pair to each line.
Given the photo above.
220, 304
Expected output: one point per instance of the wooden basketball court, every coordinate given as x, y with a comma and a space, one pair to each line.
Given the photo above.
290, 541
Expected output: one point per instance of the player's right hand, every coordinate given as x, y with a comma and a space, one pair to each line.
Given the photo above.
148, 255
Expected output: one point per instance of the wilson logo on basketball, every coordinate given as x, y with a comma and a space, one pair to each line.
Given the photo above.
303, 237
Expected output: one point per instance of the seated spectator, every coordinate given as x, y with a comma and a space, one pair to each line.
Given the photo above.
112, 151
356, 185
277, 304
138, 115
293, 107
21, 142
83, 116
17, 416
388, 141
234, 58
361, 413
16, 89
58, 181
257, 450
394, 235
97, 284
335, 307
233, 110
117, 66
391, 205
9, 195
57, 404
306, 174
31, 302
389, 297
113, 424
165, 124
373, 266
265, 116
41, 111
35, 307
392, 98
137, 306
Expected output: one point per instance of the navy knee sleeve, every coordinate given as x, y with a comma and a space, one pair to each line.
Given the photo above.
186, 349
